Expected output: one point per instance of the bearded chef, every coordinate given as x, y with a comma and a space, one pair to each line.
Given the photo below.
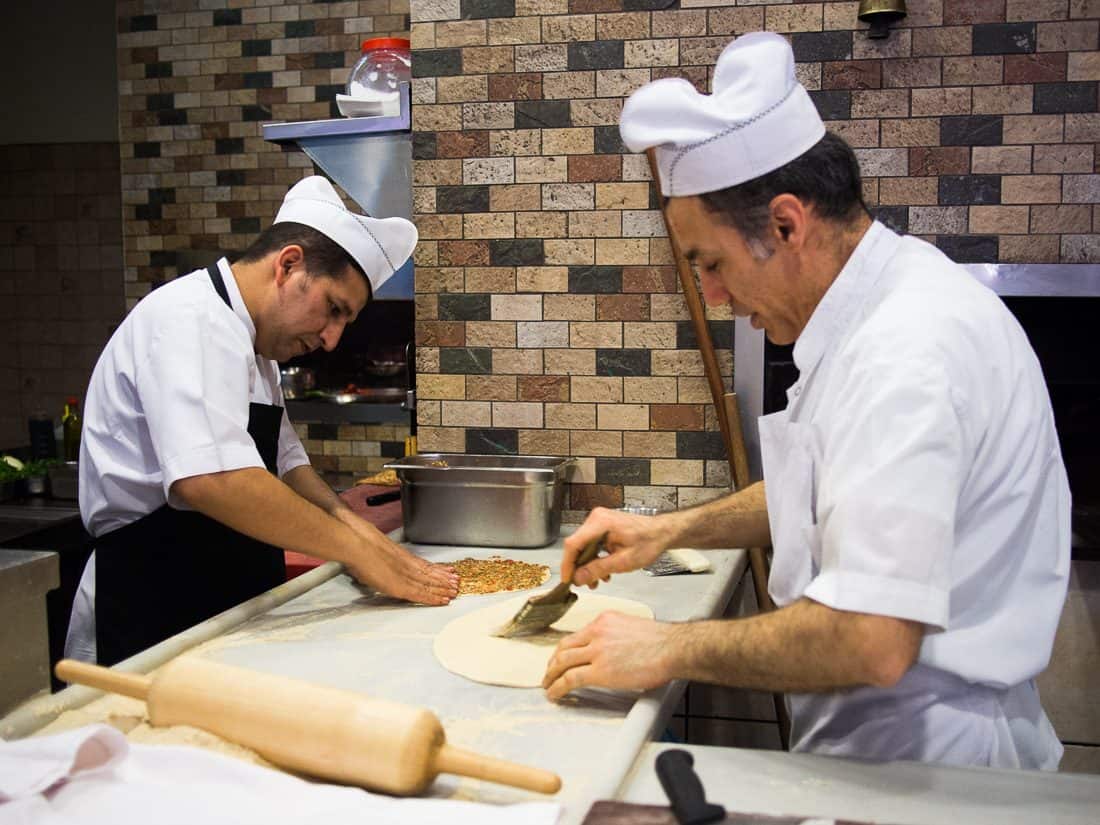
915, 494
192, 478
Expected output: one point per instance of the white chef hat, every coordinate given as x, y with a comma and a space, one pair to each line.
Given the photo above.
378, 245
758, 118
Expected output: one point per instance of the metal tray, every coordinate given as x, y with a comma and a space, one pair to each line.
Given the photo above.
481, 500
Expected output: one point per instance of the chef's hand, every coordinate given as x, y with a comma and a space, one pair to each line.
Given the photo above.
394, 571
391, 569
613, 651
632, 542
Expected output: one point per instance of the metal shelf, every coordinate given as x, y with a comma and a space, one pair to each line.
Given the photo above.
371, 159
321, 412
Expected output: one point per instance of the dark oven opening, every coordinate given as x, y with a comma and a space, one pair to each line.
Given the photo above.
370, 355
1063, 332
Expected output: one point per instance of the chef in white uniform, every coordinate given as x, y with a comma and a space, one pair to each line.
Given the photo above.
915, 494
192, 479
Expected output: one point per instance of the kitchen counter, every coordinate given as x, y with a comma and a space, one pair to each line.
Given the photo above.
25, 578
324, 628
901, 793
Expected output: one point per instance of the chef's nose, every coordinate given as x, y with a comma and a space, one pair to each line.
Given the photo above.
714, 293
330, 335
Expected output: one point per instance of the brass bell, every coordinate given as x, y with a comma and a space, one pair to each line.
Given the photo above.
880, 14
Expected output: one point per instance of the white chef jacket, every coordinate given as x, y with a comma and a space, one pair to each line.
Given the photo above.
931, 488
169, 399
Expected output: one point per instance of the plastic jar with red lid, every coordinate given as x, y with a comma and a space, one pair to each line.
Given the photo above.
386, 62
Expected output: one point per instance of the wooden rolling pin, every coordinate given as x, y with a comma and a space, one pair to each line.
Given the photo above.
321, 731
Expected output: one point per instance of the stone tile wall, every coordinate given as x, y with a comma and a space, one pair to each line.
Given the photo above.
549, 318
343, 453
197, 79
60, 283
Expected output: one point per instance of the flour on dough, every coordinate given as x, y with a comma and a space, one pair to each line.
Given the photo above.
467, 647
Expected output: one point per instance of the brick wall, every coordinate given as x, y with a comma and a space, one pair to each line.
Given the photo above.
549, 319
343, 453
60, 287
197, 79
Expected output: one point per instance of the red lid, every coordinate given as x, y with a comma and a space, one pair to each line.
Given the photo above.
399, 43
72, 399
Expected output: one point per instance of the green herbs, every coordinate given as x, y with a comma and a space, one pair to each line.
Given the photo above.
12, 469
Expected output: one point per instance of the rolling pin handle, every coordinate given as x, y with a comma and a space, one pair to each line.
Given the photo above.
450, 759
112, 681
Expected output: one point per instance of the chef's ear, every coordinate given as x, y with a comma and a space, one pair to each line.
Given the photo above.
788, 218
288, 259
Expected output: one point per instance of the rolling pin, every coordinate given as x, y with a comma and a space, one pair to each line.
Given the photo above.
311, 729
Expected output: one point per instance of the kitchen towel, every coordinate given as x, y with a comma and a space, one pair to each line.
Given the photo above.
94, 776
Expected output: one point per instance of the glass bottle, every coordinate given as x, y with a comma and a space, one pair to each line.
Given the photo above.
40, 429
70, 426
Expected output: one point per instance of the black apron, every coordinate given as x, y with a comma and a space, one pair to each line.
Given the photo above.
172, 569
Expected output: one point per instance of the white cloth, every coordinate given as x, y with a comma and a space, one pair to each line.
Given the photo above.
94, 776
378, 245
758, 118
169, 399
916, 473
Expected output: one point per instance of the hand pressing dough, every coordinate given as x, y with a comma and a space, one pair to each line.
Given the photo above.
467, 647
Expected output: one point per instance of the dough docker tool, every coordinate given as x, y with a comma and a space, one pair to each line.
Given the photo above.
539, 612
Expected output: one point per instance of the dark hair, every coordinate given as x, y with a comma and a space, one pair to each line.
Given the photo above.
826, 175
323, 256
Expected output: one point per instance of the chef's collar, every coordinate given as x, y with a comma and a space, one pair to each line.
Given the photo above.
236, 300
758, 119
845, 296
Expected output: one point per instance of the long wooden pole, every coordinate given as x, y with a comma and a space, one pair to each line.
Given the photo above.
729, 420
725, 403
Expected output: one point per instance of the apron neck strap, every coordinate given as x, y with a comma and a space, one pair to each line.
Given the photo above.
214, 271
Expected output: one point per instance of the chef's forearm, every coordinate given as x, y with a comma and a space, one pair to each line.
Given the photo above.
737, 520
305, 481
254, 502
806, 647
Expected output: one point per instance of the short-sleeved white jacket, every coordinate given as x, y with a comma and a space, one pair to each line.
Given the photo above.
936, 488
169, 398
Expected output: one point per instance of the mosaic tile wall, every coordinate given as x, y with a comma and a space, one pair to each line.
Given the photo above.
60, 283
197, 79
548, 314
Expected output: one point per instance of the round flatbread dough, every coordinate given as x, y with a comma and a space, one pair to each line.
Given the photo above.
467, 647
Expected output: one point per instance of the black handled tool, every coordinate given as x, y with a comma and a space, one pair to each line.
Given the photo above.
383, 498
684, 789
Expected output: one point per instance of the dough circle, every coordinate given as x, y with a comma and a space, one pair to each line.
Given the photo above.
467, 647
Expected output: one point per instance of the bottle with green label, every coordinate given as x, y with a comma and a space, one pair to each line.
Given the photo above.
70, 427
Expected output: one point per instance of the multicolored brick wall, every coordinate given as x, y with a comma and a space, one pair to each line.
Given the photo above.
344, 453
549, 317
60, 282
197, 79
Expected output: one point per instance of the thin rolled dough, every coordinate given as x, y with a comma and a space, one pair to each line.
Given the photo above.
467, 647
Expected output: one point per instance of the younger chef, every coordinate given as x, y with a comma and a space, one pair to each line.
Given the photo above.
916, 499
192, 479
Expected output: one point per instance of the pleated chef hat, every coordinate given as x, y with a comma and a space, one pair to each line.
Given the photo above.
378, 245
758, 118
